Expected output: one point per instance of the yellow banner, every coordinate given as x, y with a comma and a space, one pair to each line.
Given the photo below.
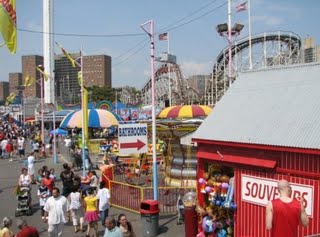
8, 22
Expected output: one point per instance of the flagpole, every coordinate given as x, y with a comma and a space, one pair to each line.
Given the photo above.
83, 117
230, 41
169, 71
250, 46
154, 151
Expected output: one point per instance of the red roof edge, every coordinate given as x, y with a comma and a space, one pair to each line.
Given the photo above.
259, 146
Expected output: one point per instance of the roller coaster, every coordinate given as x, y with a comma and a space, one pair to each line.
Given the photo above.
267, 50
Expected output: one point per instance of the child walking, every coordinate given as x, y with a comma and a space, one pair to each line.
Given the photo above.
43, 194
76, 208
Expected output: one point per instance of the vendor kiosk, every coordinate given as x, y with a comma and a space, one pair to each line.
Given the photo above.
257, 137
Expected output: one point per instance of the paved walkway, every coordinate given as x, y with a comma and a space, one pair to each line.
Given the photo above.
9, 173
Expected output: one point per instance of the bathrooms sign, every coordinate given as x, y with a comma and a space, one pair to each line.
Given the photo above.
133, 138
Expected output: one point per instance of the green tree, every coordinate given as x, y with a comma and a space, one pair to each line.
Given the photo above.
98, 93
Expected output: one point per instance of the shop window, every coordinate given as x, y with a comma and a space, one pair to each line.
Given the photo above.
217, 186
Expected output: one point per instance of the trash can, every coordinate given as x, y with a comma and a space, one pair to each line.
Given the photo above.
149, 211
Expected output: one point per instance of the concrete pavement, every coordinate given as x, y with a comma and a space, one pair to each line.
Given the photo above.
9, 174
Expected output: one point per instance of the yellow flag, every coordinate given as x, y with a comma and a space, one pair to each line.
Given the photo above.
29, 81
45, 75
10, 98
80, 81
8, 22
73, 62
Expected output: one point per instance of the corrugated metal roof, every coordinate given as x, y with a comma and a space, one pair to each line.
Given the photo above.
278, 107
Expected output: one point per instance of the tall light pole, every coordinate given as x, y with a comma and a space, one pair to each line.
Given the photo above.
154, 154
229, 31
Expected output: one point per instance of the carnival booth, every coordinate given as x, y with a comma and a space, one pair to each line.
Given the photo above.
174, 125
264, 129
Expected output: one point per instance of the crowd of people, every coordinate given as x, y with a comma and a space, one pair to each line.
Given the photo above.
84, 201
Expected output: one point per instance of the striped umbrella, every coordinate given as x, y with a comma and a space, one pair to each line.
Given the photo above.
97, 118
185, 112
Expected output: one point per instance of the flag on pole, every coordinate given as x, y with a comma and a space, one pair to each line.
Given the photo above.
163, 36
8, 22
241, 7
29, 81
80, 81
73, 62
10, 99
45, 75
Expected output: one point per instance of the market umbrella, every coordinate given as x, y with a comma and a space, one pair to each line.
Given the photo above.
59, 131
185, 112
97, 118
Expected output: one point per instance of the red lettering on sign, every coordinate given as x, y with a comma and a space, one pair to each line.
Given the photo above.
248, 188
254, 190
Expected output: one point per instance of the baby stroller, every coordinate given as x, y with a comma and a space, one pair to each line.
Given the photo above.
180, 210
24, 201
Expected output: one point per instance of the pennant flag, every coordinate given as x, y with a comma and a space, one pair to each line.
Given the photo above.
80, 81
29, 81
73, 62
10, 99
45, 75
163, 36
241, 7
8, 22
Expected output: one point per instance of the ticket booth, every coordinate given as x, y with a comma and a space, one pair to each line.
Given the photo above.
258, 134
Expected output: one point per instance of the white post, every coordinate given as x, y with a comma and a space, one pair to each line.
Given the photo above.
230, 42
169, 71
250, 46
42, 106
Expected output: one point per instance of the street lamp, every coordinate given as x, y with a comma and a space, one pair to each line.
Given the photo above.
226, 30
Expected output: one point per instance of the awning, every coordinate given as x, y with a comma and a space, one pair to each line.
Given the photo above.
240, 160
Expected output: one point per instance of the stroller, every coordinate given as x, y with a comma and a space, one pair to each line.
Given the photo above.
180, 210
24, 201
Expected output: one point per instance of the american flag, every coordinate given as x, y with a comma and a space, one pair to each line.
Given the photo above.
163, 36
241, 7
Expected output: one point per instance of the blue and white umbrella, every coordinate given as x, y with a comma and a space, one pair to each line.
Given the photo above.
97, 118
59, 131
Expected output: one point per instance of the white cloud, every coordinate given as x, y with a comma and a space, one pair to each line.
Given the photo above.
196, 68
31, 25
268, 20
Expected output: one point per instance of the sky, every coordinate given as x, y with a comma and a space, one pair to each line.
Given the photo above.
113, 28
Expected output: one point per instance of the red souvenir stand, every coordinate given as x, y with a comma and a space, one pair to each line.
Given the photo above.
236, 181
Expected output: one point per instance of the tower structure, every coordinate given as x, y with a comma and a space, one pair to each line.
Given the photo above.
48, 50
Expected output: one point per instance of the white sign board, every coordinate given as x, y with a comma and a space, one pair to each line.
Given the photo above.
132, 138
260, 191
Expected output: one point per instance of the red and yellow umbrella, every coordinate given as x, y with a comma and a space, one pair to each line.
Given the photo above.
185, 112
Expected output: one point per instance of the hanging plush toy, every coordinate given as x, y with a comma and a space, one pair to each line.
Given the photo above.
224, 190
202, 183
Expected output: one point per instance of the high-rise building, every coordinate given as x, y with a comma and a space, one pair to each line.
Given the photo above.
29, 64
96, 70
4, 90
311, 52
15, 81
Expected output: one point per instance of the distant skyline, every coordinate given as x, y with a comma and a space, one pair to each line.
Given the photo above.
113, 28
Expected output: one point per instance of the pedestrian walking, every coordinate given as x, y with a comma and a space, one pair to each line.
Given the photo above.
48, 182
31, 170
112, 230
21, 147
67, 180
284, 214
5, 227
55, 209
103, 197
91, 216
43, 194
76, 209
25, 229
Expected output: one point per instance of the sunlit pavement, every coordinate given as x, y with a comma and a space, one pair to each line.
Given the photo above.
9, 174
